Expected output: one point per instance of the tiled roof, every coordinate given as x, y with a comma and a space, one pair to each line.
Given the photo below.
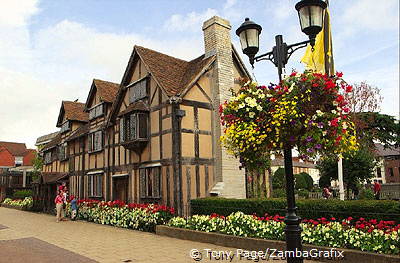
136, 106
74, 111
53, 143
82, 130
107, 90
15, 148
381, 151
173, 74
45, 138
280, 162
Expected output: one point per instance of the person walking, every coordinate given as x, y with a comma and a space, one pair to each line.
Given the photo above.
377, 189
74, 207
59, 205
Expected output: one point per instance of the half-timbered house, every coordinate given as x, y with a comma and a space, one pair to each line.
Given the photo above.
155, 136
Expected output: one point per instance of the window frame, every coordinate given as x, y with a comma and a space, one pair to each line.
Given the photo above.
93, 111
65, 126
47, 157
95, 185
62, 152
139, 86
153, 175
92, 139
125, 125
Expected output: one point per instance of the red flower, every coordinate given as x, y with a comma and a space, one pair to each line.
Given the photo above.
349, 88
293, 74
334, 122
340, 99
339, 74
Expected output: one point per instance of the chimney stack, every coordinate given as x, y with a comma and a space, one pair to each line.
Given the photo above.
217, 41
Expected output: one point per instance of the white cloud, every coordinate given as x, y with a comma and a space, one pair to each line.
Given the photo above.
370, 15
189, 22
58, 63
17, 13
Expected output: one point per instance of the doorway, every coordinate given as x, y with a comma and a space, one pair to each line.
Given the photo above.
120, 188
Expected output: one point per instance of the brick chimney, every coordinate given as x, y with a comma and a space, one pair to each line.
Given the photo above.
217, 41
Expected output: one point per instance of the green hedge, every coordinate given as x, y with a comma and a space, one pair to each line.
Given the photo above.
310, 209
21, 194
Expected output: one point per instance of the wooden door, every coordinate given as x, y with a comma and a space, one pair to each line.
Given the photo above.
121, 188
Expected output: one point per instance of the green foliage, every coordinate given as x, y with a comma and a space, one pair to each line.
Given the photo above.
21, 194
366, 194
302, 193
374, 126
309, 181
278, 179
279, 193
37, 163
307, 208
356, 168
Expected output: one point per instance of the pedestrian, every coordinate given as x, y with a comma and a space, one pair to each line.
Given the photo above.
74, 207
59, 205
377, 189
326, 193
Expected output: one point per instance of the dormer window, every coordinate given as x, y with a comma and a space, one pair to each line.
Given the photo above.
96, 111
66, 126
138, 90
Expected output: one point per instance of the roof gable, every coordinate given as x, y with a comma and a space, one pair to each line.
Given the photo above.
73, 111
106, 90
15, 148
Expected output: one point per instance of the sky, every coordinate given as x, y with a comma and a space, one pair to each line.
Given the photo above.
51, 50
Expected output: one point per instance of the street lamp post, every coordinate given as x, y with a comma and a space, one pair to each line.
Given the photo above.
311, 20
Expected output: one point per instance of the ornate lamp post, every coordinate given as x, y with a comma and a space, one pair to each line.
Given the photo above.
311, 20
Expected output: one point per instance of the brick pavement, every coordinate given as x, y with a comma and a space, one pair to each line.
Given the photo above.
39, 236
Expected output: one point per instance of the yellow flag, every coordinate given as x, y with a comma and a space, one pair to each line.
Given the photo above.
321, 59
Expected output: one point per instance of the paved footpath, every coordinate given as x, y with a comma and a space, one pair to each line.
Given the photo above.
33, 237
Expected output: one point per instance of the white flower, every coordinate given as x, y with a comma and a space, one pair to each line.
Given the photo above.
319, 113
251, 114
259, 108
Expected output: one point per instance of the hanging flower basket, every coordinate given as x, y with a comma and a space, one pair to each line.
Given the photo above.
306, 111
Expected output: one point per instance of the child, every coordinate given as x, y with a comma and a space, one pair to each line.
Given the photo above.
74, 208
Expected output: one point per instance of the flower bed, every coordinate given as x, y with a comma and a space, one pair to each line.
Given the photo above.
25, 204
371, 235
142, 217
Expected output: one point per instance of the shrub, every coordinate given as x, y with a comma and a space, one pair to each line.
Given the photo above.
308, 208
366, 194
306, 180
279, 193
278, 179
21, 194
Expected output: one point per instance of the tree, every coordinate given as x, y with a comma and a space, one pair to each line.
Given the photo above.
304, 181
374, 126
278, 179
364, 103
357, 168
363, 98
37, 163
